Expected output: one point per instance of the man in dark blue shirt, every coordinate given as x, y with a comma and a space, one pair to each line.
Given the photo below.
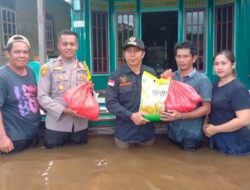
123, 98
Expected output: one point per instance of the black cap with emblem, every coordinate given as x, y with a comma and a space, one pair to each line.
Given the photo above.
134, 42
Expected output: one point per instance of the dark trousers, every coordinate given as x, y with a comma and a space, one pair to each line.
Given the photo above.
190, 144
23, 144
53, 139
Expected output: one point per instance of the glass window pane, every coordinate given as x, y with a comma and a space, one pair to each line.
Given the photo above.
125, 19
189, 29
9, 16
230, 13
189, 33
6, 39
95, 65
99, 65
229, 40
224, 14
200, 63
126, 34
195, 30
99, 20
104, 42
224, 35
119, 19
218, 38
218, 16
105, 65
94, 19
201, 30
195, 18
189, 17
194, 38
201, 17
103, 21
4, 15
201, 39
9, 29
131, 20
94, 43
12, 18
131, 32
100, 43
5, 30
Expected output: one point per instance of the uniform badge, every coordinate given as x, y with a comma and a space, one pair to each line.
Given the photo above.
123, 78
61, 77
82, 77
132, 41
58, 68
44, 70
61, 87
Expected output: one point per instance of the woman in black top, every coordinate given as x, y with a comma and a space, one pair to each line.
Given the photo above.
228, 123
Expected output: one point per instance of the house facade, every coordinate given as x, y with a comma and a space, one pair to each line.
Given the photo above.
20, 17
212, 25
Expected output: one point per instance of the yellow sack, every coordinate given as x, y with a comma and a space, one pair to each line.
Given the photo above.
153, 95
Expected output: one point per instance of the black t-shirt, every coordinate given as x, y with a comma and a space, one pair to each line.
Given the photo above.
226, 100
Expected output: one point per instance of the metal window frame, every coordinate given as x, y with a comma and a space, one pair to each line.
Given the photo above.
49, 30
121, 59
100, 55
220, 24
192, 10
12, 11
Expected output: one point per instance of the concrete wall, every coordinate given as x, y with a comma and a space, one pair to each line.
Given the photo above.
26, 19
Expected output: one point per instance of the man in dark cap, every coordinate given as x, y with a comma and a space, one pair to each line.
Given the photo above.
123, 98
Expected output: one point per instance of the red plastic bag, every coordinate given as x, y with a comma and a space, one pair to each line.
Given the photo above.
80, 99
181, 97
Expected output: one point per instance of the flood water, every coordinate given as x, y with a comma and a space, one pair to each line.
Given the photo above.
99, 165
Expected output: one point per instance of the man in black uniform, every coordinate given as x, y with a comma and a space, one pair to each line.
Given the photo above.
123, 98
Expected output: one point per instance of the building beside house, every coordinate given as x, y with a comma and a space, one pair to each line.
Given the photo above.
212, 25
20, 17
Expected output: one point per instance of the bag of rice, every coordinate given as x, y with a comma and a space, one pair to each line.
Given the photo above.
153, 95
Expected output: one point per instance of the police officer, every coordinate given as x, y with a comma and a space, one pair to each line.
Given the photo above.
63, 125
123, 98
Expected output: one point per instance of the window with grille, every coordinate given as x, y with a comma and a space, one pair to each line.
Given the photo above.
224, 28
8, 24
195, 32
125, 29
49, 33
99, 42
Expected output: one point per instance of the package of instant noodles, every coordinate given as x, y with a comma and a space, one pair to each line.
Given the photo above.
153, 95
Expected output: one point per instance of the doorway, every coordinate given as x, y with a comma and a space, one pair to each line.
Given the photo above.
160, 33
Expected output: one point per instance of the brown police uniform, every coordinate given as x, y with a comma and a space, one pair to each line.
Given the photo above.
56, 77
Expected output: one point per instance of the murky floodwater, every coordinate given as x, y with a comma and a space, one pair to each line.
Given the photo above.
99, 165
